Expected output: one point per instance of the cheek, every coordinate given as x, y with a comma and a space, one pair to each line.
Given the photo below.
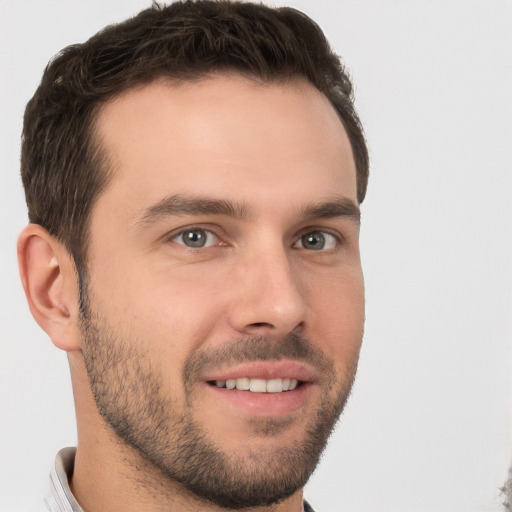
339, 317
170, 311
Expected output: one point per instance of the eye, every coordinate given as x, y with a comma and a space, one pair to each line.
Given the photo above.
316, 241
195, 238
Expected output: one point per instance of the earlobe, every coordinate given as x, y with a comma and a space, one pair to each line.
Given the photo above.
49, 280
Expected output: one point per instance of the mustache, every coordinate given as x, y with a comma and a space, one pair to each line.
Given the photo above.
257, 348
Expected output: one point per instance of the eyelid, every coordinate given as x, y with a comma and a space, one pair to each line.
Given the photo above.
211, 230
339, 238
214, 231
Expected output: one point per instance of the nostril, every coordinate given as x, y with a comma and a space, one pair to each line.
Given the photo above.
261, 324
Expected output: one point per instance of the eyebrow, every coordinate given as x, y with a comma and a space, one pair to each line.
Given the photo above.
340, 207
182, 205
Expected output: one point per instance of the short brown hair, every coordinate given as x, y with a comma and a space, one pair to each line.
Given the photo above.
63, 167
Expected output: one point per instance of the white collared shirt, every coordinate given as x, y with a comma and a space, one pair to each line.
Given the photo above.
59, 497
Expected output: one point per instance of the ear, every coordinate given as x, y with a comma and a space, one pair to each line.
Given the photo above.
50, 282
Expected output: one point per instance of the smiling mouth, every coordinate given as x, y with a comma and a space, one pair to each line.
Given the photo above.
257, 385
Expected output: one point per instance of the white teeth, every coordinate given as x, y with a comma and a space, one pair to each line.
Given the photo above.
243, 384
274, 386
258, 385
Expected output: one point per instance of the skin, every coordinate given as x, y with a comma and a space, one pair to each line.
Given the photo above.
273, 149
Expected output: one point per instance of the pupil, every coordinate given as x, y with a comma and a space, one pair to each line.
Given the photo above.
195, 238
315, 241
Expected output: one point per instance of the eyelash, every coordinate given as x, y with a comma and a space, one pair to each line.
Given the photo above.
329, 237
209, 233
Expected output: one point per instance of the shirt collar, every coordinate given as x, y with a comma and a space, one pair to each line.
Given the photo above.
59, 497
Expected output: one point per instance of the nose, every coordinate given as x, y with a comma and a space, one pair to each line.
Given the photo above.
269, 296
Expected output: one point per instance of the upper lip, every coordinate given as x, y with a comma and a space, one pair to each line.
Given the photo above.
284, 369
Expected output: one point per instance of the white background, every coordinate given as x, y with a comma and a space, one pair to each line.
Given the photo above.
428, 427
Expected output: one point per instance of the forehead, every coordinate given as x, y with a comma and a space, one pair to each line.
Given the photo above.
224, 136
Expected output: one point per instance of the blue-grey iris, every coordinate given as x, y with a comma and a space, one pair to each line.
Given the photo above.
194, 238
314, 241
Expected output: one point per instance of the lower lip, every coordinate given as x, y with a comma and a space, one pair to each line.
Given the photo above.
264, 404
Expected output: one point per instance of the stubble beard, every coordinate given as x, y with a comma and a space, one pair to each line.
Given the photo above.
129, 396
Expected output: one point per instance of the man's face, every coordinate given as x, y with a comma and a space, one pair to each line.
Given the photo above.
223, 256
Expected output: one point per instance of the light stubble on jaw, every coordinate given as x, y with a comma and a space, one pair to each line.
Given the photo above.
127, 388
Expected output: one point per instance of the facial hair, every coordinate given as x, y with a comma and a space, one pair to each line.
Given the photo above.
130, 396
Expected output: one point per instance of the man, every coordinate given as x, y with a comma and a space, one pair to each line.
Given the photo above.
193, 178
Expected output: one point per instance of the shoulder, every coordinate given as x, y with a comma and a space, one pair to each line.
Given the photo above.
308, 507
